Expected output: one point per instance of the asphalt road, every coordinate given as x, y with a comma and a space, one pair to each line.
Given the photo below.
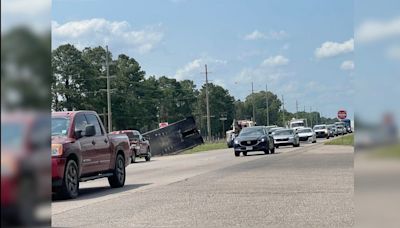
309, 186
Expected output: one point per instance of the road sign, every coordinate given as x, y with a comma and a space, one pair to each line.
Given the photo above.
162, 124
342, 114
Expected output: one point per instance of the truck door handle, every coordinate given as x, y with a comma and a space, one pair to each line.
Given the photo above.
93, 142
105, 140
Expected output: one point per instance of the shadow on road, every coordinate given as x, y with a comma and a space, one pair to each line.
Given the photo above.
94, 192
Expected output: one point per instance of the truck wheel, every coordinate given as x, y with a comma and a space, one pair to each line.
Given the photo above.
237, 153
117, 180
70, 185
148, 156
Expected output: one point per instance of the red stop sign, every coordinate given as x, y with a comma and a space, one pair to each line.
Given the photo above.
342, 114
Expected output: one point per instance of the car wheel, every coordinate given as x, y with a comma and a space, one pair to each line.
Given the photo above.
314, 141
117, 180
277, 146
237, 153
272, 150
244, 153
148, 156
266, 151
70, 185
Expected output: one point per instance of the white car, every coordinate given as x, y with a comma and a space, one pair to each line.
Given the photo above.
307, 134
321, 131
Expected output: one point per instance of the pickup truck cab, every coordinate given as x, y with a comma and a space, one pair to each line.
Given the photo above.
81, 150
140, 146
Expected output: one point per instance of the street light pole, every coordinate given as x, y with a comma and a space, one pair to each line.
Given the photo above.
266, 90
208, 107
108, 93
253, 98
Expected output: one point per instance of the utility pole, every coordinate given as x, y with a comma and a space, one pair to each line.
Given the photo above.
283, 111
297, 109
254, 109
208, 107
311, 117
266, 100
108, 93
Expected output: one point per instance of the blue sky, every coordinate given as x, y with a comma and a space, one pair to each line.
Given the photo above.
302, 49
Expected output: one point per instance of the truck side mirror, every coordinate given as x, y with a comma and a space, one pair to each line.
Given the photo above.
78, 134
90, 130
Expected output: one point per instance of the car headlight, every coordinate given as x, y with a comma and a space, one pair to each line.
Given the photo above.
236, 141
263, 140
56, 149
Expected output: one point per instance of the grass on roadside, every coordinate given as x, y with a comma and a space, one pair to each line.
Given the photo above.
206, 147
347, 140
392, 151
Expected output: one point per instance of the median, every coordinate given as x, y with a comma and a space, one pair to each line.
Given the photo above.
207, 147
347, 140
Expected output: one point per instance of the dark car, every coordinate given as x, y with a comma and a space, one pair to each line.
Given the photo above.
81, 150
140, 146
253, 139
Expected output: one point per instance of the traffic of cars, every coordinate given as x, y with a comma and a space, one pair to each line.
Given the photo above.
267, 138
82, 150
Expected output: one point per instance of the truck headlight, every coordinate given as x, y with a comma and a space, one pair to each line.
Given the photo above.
56, 149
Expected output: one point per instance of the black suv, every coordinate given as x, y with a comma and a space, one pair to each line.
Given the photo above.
253, 139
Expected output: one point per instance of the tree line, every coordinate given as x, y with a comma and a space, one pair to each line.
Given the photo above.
141, 102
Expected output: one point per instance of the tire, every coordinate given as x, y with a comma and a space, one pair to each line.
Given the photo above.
277, 146
314, 141
70, 184
273, 150
244, 153
117, 180
148, 156
266, 151
237, 153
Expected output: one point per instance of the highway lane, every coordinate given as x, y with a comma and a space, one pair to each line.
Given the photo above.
173, 190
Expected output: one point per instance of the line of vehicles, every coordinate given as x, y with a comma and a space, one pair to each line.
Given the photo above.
82, 150
247, 137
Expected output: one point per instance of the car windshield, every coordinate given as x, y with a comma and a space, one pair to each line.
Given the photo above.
12, 136
305, 130
319, 127
59, 126
251, 132
284, 132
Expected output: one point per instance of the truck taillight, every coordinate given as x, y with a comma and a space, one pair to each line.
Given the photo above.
56, 149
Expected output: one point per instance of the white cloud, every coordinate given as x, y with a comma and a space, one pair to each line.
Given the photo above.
32, 7
273, 61
257, 35
375, 30
99, 31
330, 49
347, 65
195, 67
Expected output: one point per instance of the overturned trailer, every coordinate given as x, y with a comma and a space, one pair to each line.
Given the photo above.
175, 137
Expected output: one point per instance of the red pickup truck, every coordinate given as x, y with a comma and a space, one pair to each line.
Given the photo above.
81, 150
140, 146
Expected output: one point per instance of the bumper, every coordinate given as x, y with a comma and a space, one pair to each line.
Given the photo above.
258, 147
8, 191
283, 143
57, 170
321, 134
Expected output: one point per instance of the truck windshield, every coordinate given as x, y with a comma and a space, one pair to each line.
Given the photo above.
297, 125
59, 126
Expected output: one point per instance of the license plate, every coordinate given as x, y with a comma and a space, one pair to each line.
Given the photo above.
249, 148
